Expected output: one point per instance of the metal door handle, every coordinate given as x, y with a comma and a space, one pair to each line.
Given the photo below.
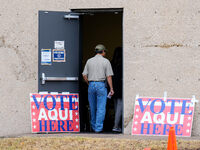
70, 16
44, 78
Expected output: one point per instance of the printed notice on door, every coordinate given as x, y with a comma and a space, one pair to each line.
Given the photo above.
155, 116
54, 112
46, 57
59, 44
58, 55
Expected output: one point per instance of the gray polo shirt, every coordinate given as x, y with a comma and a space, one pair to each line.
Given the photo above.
97, 68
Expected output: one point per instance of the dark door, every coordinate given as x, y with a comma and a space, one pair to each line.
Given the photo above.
58, 68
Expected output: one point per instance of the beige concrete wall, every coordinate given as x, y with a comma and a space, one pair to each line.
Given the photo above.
18, 61
161, 47
161, 53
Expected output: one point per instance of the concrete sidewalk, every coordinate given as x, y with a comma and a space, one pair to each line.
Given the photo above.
101, 135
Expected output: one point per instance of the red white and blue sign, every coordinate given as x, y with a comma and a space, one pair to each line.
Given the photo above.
55, 112
155, 116
59, 55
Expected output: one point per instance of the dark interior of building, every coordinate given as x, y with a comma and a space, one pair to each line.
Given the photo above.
98, 28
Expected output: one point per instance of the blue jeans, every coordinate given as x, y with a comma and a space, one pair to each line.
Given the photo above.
97, 96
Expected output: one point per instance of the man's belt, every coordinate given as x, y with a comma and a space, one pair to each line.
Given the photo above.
98, 81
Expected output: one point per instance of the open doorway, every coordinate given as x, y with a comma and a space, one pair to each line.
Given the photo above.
100, 27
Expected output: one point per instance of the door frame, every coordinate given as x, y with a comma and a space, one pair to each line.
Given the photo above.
97, 10
105, 10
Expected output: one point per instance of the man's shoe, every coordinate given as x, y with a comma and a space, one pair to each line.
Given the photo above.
117, 130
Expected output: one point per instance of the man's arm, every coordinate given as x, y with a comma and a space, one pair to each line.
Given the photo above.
86, 79
109, 79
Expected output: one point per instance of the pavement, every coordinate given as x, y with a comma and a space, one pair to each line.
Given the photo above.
101, 135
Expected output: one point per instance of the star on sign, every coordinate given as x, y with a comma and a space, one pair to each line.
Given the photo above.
136, 122
76, 120
76, 113
194, 100
76, 126
189, 118
136, 116
188, 124
34, 120
135, 129
34, 127
187, 131
33, 113
33, 107
137, 110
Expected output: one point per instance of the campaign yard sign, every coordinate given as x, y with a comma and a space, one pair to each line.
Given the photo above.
55, 112
155, 116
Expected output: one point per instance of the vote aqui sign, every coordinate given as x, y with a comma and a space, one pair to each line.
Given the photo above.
55, 112
155, 116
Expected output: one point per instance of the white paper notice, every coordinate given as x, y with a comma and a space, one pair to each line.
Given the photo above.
59, 44
46, 56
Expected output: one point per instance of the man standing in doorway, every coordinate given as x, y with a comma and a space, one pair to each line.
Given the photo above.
96, 71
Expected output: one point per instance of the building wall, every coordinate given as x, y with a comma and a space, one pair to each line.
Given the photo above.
19, 60
161, 53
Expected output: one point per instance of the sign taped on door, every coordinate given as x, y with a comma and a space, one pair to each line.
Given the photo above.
46, 57
59, 55
59, 44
